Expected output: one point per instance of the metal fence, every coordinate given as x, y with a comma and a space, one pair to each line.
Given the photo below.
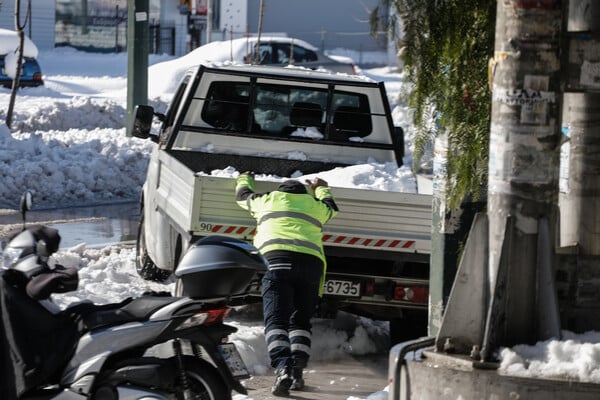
162, 39
108, 34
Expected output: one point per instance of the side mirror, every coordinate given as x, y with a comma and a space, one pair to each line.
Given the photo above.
399, 137
141, 121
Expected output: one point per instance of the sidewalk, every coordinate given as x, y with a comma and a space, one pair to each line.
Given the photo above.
331, 380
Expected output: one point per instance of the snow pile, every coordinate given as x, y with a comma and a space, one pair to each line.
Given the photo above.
575, 358
69, 146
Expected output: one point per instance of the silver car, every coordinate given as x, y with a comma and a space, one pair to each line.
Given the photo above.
283, 51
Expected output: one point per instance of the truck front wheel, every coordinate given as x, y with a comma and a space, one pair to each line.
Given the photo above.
144, 265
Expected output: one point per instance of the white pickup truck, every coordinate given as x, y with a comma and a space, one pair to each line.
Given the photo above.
276, 122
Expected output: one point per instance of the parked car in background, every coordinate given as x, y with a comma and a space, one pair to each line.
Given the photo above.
283, 51
31, 73
240, 51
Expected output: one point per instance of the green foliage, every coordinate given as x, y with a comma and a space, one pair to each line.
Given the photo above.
445, 48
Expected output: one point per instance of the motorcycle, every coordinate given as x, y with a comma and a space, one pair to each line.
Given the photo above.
155, 346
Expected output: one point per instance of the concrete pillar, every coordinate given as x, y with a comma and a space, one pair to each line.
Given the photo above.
523, 164
580, 152
580, 168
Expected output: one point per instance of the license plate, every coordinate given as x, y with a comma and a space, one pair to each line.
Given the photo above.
342, 288
234, 360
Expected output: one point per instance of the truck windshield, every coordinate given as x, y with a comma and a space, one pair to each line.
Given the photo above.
286, 111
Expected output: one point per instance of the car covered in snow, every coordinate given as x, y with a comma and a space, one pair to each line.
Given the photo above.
300, 54
284, 51
31, 73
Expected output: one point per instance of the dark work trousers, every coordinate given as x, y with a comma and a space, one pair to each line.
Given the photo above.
290, 291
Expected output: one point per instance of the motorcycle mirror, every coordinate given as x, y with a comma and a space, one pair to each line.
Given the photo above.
26, 203
41, 249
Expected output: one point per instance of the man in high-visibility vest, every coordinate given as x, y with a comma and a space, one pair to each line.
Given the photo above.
289, 234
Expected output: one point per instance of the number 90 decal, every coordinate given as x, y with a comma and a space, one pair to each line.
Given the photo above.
206, 227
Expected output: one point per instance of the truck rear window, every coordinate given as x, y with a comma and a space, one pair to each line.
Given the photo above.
286, 111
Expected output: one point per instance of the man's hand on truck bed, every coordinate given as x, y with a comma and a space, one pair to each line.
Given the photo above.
315, 183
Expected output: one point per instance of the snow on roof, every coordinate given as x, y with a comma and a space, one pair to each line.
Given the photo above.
291, 71
9, 42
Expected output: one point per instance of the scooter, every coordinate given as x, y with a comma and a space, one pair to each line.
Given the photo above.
155, 346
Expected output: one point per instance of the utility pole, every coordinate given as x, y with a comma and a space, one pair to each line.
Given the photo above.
137, 56
261, 13
84, 17
504, 292
209, 5
523, 166
16, 80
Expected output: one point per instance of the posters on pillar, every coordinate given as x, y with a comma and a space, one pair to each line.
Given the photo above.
534, 110
534, 99
590, 75
565, 156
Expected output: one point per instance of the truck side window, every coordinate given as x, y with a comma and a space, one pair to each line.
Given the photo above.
271, 108
226, 106
172, 111
351, 117
351, 122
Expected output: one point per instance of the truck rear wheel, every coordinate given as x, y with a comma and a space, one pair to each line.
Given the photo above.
144, 265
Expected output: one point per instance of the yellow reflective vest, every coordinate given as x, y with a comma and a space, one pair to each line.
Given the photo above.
287, 221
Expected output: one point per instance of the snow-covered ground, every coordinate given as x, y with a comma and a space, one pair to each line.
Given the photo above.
68, 146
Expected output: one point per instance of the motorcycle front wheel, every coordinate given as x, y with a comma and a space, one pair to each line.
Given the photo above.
203, 381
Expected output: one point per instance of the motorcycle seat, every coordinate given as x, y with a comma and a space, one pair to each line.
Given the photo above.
91, 316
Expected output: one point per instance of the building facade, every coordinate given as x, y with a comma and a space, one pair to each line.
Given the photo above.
179, 26
40, 27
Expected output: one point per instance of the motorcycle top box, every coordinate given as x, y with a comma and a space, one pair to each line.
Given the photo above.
220, 266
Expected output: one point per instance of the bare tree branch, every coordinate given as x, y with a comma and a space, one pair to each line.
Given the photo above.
17, 78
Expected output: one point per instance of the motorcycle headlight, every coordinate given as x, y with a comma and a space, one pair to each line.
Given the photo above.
19, 252
10, 255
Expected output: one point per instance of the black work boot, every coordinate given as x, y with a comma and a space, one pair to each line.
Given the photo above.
283, 381
297, 379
